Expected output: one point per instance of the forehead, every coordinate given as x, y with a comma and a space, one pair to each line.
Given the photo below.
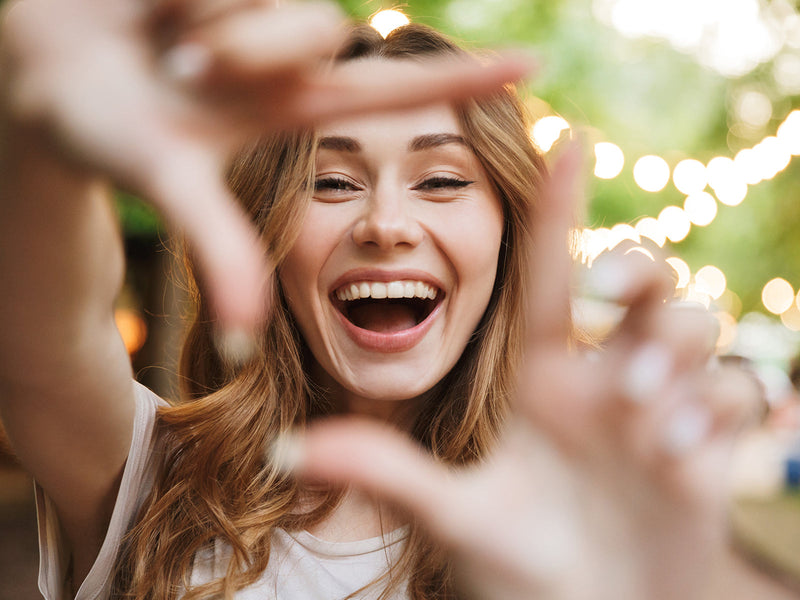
396, 125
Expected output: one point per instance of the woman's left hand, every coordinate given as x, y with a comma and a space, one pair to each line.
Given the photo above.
609, 480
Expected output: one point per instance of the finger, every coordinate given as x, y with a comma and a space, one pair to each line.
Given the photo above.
259, 42
548, 301
187, 185
356, 87
382, 461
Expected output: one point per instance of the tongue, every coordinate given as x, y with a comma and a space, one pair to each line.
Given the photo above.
383, 317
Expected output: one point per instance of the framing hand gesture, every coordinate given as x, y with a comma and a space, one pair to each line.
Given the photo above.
609, 480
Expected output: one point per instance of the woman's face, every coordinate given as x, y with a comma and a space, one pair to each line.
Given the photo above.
396, 258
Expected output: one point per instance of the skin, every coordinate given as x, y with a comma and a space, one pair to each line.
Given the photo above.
85, 100
402, 213
89, 98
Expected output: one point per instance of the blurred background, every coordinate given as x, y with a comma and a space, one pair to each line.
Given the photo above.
689, 109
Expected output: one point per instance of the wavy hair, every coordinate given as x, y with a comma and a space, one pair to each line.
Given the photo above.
214, 481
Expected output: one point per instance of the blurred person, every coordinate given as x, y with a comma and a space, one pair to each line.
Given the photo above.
387, 250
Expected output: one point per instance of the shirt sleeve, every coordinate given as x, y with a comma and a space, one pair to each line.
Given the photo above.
137, 480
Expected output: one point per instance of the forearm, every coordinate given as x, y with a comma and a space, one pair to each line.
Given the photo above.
61, 261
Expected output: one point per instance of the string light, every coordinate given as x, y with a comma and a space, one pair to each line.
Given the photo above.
651, 173
729, 178
386, 21
711, 280
547, 130
609, 160
777, 295
689, 176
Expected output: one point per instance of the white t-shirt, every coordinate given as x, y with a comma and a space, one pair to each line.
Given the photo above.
301, 567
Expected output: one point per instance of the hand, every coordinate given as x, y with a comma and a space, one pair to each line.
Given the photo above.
609, 479
156, 96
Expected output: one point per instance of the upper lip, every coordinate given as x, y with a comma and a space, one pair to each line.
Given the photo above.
385, 276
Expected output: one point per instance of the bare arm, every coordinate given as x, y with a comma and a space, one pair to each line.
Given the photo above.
65, 382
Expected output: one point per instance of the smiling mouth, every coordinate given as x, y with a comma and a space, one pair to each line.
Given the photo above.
387, 307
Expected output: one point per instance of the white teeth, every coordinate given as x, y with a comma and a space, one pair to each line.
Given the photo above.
379, 290
392, 289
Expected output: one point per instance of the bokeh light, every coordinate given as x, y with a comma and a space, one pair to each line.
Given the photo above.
651, 173
689, 176
701, 208
675, 223
386, 21
609, 160
789, 133
777, 295
791, 318
753, 108
650, 228
727, 330
132, 328
681, 269
547, 130
710, 280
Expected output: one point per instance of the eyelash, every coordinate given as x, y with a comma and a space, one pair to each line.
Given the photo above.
336, 184
431, 185
440, 182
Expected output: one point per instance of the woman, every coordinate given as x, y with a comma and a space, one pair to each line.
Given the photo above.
405, 293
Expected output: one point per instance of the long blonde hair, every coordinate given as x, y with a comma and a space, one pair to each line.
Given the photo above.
214, 481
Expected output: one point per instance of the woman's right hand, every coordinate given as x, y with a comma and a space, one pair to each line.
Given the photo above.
157, 95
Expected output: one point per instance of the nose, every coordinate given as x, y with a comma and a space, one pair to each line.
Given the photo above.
387, 222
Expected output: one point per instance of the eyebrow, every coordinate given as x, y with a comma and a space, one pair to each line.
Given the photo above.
340, 144
419, 143
426, 142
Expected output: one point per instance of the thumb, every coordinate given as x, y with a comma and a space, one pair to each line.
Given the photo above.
380, 460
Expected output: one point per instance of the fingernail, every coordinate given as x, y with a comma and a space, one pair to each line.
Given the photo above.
187, 62
287, 451
647, 373
236, 346
608, 279
686, 428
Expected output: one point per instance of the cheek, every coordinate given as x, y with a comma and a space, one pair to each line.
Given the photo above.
475, 247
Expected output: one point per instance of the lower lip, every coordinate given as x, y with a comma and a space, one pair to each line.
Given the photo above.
397, 341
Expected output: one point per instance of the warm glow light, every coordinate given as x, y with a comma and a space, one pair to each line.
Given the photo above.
387, 21
754, 108
710, 280
131, 327
694, 294
701, 208
789, 132
747, 165
651, 173
650, 228
777, 295
727, 330
620, 232
609, 160
682, 269
689, 176
791, 318
720, 170
675, 223
773, 156
547, 130
730, 303
732, 193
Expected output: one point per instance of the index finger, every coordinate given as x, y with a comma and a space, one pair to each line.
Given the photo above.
548, 300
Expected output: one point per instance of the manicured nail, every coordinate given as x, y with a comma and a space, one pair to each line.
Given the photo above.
608, 278
187, 62
287, 451
236, 346
687, 427
647, 373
